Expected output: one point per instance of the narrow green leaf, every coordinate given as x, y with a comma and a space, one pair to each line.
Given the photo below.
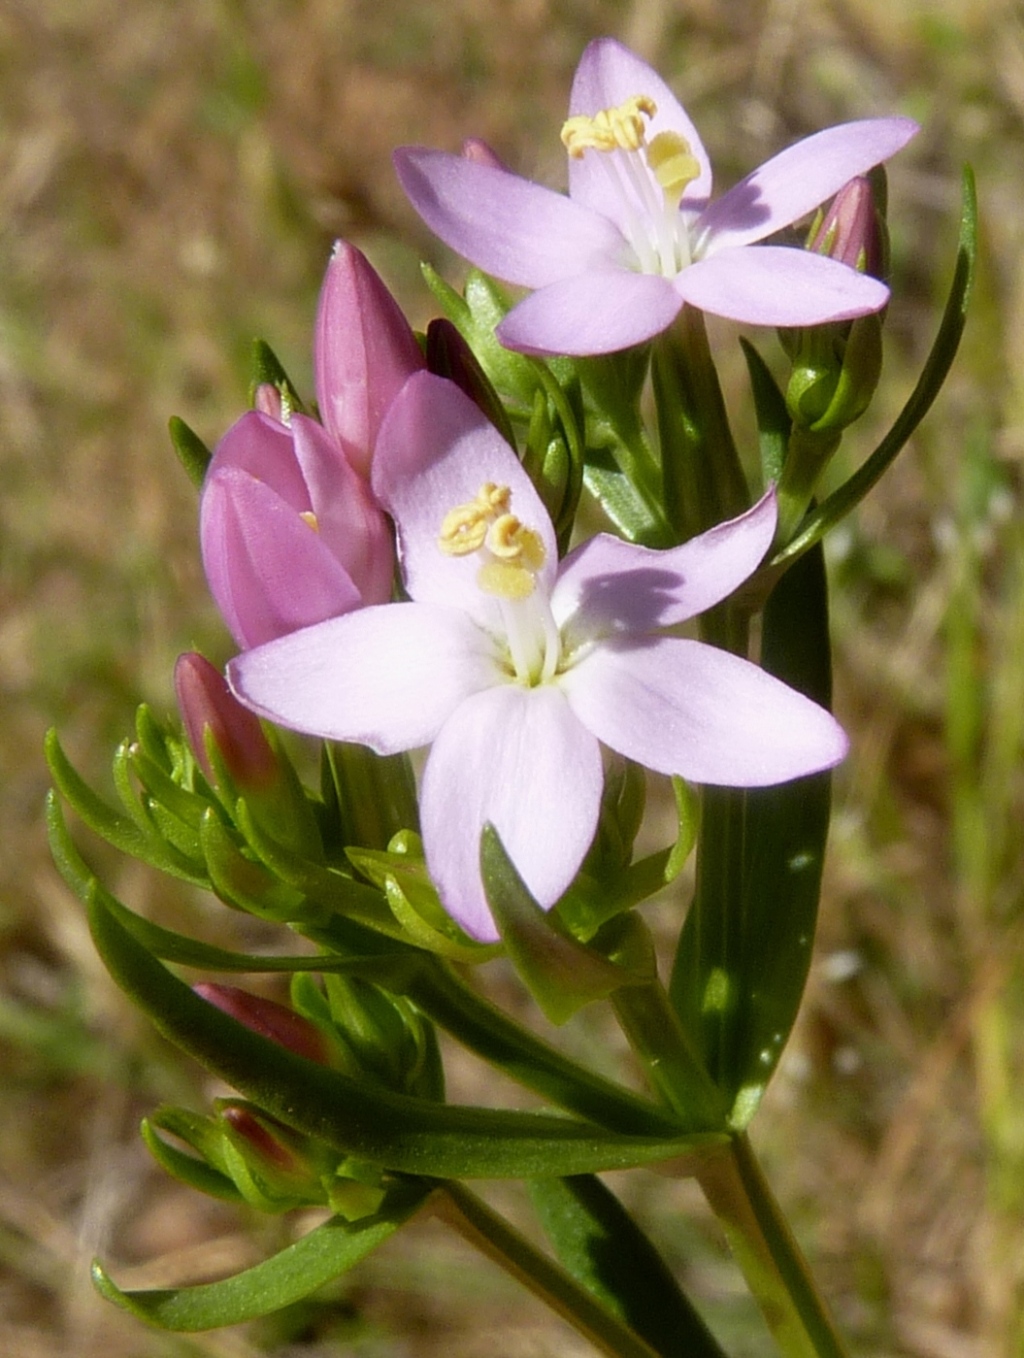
324, 1254
393, 1130
188, 1169
600, 1244
746, 945
773, 422
117, 829
192, 451
561, 974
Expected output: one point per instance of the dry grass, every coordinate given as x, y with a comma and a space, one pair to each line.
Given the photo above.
171, 176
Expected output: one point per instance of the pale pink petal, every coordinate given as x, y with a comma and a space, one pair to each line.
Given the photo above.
268, 571
517, 758
349, 520
681, 707
363, 351
775, 285
509, 226
387, 677
798, 180
594, 313
436, 450
609, 587
262, 446
608, 75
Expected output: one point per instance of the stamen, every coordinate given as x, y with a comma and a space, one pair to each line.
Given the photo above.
465, 527
513, 553
612, 129
307, 516
673, 164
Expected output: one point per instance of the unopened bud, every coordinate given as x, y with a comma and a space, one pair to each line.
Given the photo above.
268, 401
210, 710
252, 1130
448, 355
475, 149
269, 1019
850, 231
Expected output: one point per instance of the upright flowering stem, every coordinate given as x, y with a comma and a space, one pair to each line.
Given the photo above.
703, 481
772, 1263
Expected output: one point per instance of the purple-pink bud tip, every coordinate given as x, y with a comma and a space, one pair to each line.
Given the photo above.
268, 1018
207, 704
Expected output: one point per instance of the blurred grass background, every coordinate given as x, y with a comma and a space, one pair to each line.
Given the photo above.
171, 178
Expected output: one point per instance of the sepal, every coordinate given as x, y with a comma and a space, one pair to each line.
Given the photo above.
560, 973
267, 369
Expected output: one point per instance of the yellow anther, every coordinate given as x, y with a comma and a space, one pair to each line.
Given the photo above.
513, 553
307, 516
510, 540
613, 129
465, 527
673, 163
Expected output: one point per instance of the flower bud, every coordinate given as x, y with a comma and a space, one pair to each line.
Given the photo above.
836, 367
267, 400
850, 231
474, 148
210, 710
268, 1018
448, 355
364, 350
290, 533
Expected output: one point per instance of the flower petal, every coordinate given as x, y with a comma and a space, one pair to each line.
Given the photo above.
262, 446
348, 519
608, 587
268, 571
509, 226
797, 180
517, 758
435, 451
363, 351
776, 285
608, 75
681, 707
387, 677
593, 313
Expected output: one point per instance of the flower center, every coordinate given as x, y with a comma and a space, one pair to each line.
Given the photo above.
512, 554
511, 557
649, 177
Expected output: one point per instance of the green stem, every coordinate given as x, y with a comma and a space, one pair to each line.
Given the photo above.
766, 1251
703, 482
495, 1238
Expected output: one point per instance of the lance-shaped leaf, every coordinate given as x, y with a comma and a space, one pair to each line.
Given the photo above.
746, 946
325, 1253
561, 974
600, 1244
392, 1130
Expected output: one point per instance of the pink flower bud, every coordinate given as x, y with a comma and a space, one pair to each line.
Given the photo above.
269, 1019
251, 1129
291, 535
475, 149
267, 400
207, 704
849, 231
363, 352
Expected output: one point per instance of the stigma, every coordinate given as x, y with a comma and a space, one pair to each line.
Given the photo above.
650, 177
